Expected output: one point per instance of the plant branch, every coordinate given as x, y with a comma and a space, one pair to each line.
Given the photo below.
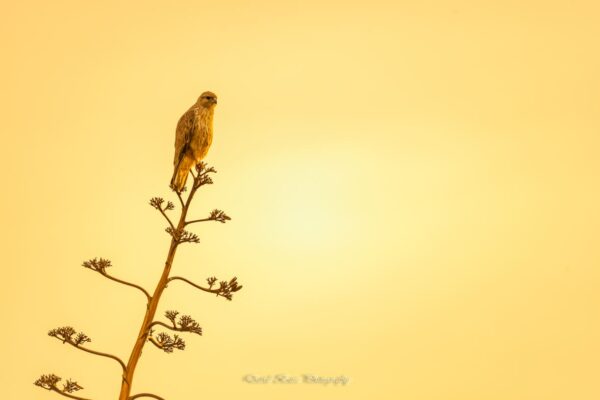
209, 290
71, 396
100, 265
184, 324
215, 215
157, 202
225, 289
128, 284
65, 335
167, 218
49, 382
99, 353
154, 323
146, 395
198, 220
180, 198
155, 342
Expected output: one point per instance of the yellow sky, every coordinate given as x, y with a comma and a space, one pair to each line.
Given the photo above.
413, 187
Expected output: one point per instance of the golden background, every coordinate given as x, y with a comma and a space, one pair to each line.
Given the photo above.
413, 187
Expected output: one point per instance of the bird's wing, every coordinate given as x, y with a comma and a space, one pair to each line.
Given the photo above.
183, 134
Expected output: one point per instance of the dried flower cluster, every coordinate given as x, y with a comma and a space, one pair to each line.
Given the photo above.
50, 381
218, 215
225, 288
65, 334
202, 177
97, 264
182, 236
167, 343
185, 323
47, 381
157, 203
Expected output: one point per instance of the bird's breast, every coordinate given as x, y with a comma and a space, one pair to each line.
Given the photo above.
202, 138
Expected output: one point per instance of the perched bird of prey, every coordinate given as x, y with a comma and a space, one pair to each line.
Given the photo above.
193, 138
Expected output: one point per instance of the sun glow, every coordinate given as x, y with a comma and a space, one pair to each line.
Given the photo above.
304, 204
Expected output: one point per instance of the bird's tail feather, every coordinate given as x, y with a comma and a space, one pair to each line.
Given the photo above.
179, 176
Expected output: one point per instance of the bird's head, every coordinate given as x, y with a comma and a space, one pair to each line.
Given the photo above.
207, 99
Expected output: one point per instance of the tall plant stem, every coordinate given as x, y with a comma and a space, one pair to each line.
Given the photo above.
153, 304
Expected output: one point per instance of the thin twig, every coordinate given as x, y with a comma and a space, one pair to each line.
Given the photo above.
146, 395
191, 196
180, 198
166, 217
127, 283
173, 328
199, 220
191, 329
209, 290
98, 353
155, 342
57, 390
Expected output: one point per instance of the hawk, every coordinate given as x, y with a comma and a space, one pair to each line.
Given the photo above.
193, 138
